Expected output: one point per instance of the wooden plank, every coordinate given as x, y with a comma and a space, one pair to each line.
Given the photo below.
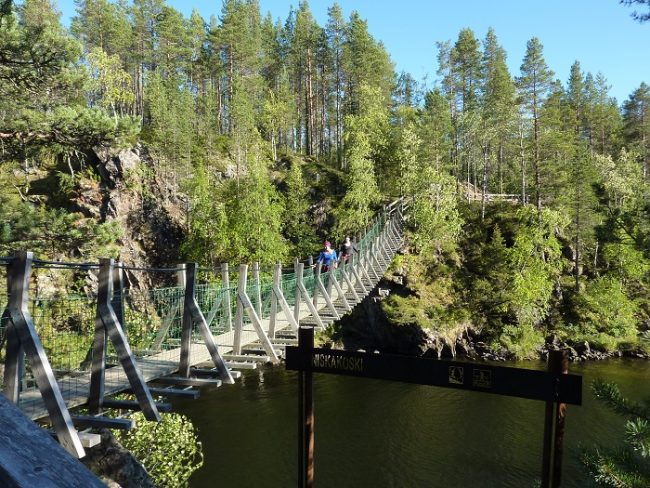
32, 458
248, 357
182, 380
241, 365
88, 439
176, 392
132, 405
100, 422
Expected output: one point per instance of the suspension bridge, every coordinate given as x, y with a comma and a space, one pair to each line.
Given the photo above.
65, 357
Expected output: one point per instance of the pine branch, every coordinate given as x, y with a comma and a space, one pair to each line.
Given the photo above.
638, 436
640, 17
610, 394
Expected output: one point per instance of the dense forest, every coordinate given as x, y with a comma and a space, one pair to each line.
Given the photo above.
277, 133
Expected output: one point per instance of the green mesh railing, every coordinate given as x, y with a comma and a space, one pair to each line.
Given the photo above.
152, 318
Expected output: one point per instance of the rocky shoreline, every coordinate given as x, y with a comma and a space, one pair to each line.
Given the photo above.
578, 352
376, 333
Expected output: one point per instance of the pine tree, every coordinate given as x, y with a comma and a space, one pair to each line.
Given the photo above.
206, 239
362, 193
103, 24
533, 85
41, 85
436, 220
255, 211
297, 227
639, 16
636, 120
498, 110
335, 30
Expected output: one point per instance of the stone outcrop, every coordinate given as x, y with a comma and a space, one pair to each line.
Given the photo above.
115, 465
136, 192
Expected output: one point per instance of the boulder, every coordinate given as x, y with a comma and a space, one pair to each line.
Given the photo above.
114, 163
111, 461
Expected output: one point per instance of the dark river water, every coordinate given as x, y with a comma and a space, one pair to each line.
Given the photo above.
372, 433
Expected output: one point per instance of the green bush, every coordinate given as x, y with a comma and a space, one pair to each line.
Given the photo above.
169, 450
607, 316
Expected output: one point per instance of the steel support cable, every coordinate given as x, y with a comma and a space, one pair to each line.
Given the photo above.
152, 270
45, 264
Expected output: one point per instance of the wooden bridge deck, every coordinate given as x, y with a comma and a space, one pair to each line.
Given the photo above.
75, 390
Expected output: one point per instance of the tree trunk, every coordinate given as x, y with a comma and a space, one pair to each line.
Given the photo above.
523, 165
538, 193
310, 106
486, 157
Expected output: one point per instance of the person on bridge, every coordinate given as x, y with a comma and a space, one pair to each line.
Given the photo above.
327, 257
347, 249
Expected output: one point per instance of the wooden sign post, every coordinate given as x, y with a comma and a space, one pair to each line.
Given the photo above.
555, 387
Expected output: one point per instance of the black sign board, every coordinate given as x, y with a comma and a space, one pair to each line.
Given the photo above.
555, 387
517, 382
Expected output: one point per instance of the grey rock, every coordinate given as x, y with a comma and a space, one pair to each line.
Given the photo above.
113, 462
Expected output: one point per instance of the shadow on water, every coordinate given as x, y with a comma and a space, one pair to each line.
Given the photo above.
372, 433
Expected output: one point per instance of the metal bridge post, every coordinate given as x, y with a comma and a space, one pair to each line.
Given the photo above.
353, 268
279, 296
225, 277
303, 291
171, 313
107, 325
245, 301
326, 294
317, 277
277, 276
319, 280
192, 315
22, 339
258, 288
370, 257
297, 294
118, 293
186, 331
239, 312
339, 291
346, 278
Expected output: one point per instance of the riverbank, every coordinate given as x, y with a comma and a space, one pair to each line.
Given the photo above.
369, 327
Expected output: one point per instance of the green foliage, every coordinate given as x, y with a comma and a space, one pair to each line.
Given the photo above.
169, 450
433, 302
206, 238
42, 88
254, 217
436, 219
357, 206
535, 263
53, 232
606, 315
110, 83
296, 217
627, 466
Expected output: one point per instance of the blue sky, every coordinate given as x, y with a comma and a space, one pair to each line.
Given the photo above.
598, 33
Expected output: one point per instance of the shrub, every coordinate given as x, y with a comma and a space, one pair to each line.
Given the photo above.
169, 450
